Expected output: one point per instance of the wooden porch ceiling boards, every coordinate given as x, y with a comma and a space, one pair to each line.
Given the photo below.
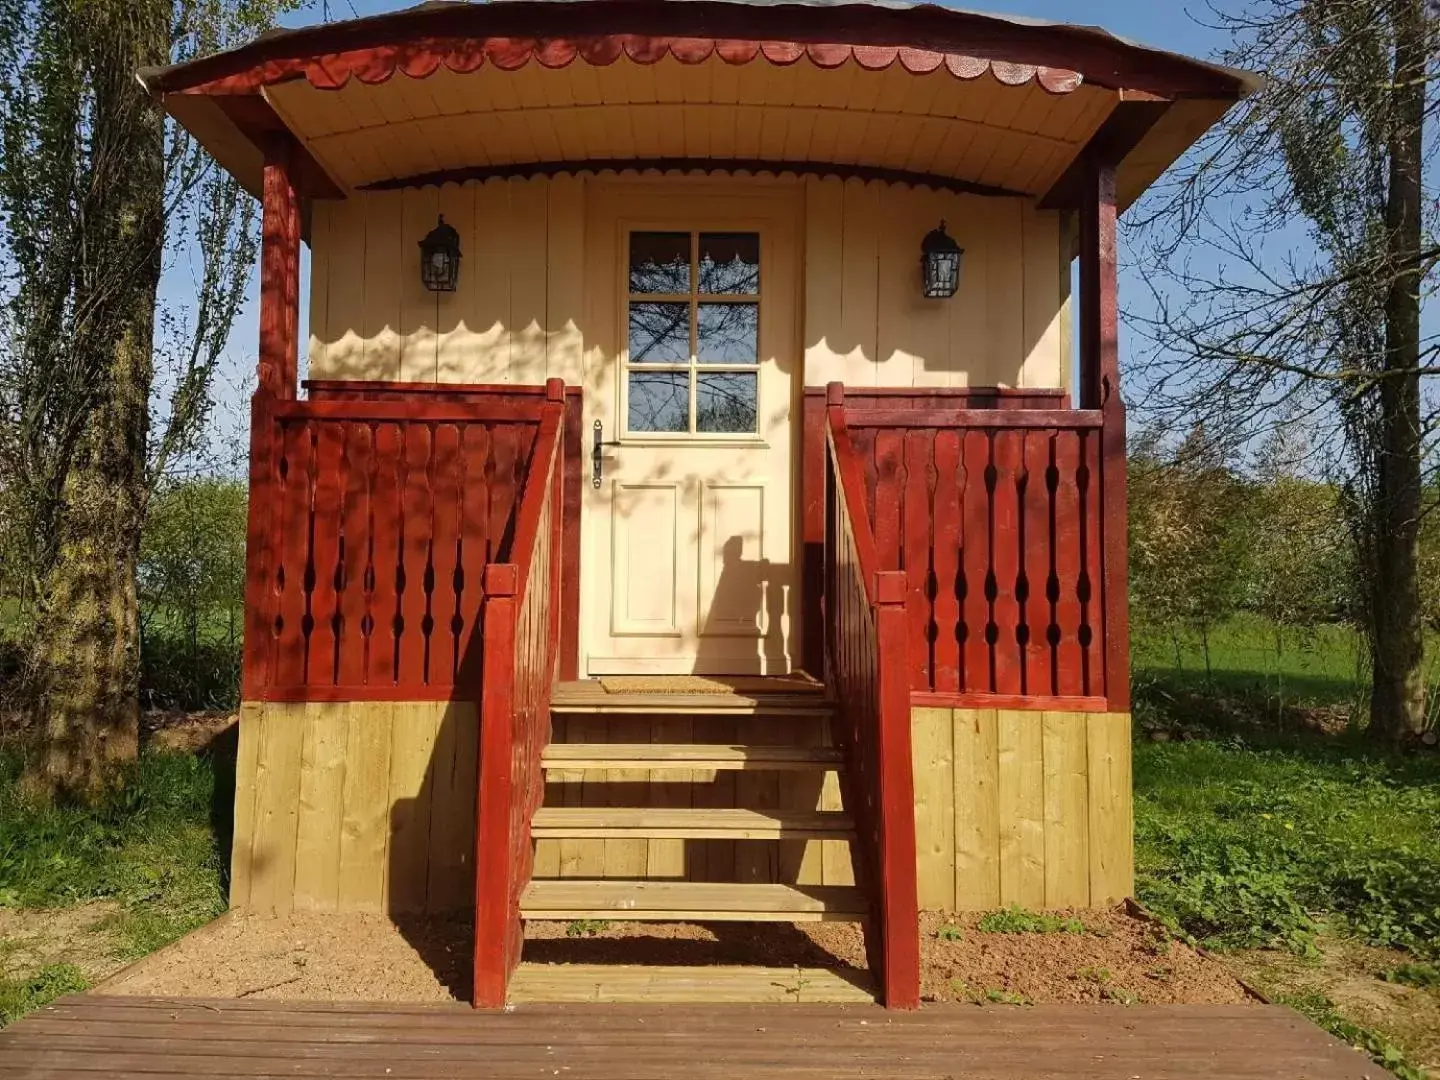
1017, 138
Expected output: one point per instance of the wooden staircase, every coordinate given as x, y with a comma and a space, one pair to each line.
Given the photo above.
784, 735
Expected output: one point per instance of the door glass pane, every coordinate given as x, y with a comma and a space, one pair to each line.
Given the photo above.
659, 401
730, 263
659, 333
660, 262
725, 401
728, 333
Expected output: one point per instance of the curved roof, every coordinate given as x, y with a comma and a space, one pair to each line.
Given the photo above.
1096, 55
653, 73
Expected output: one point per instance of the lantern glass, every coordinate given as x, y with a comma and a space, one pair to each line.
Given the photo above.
440, 258
940, 259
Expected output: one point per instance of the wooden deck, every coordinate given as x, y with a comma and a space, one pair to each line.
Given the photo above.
94, 1036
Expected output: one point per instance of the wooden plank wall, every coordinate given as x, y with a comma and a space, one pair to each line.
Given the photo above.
1028, 808
803, 862
515, 316
866, 322
355, 806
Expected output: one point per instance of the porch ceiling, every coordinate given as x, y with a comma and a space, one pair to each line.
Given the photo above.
1015, 138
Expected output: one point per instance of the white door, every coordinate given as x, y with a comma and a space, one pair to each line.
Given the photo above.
690, 521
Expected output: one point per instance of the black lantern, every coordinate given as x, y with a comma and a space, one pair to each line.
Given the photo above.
440, 258
940, 264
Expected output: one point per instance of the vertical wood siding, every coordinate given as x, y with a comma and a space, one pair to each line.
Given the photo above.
1029, 808
355, 806
517, 315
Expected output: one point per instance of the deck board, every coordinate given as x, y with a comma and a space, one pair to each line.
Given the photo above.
88, 1036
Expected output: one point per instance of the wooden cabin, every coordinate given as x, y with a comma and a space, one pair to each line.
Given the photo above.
697, 505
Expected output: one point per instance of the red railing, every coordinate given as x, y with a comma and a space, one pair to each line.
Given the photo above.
522, 627
997, 520
865, 658
371, 524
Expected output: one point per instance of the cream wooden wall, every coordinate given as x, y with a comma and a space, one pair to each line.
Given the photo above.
355, 806
517, 315
1028, 808
866, 322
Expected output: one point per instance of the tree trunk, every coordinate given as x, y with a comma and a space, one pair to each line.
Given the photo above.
85, 655
1397, 698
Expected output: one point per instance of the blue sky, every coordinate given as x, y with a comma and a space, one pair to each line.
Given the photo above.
1151, 22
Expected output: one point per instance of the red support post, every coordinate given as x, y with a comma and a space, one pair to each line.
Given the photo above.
1100, 389
900, 905
495, 788
279, 274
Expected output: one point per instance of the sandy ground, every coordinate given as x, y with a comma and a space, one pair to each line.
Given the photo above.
34, 938
366, 957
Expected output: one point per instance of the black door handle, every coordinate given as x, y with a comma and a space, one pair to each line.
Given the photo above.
597, 459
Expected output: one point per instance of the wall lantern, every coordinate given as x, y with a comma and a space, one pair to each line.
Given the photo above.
940, 264
440, 258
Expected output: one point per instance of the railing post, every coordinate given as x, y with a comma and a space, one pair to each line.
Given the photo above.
900, 906
258, 645
495, 787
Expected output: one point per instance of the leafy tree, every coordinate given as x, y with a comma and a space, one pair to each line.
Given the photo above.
1288, 263
98, 194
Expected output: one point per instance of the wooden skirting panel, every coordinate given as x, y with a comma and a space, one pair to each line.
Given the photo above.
794, 862
355, 806
1028, 808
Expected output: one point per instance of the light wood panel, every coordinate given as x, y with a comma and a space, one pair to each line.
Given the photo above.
1028, 808
356, 806
711, 983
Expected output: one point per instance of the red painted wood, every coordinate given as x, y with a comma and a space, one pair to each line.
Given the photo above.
386, 514
293, 566
1114, 547
323, 653
812, 532
416, 526
524, 394
279, 274
419, 408
521, 661
889, 495
915, 551
355, 540
866, 665
1031, 702
1037, 563
261, 530
946, 547
1006, 419
1069, 555
1005, 560
475, 545
975, 558
446, 594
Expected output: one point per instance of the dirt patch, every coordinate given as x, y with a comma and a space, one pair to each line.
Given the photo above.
1117, 958
35, 938
185, 733
311, 957
1348, 974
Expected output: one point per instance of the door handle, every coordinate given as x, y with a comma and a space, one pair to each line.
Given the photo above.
597, 458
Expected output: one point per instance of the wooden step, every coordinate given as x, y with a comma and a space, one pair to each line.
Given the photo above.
663, 756
573, 822
777, 706
566, 983
565, 899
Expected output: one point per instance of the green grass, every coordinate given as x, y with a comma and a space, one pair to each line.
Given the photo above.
151, 849
19, 996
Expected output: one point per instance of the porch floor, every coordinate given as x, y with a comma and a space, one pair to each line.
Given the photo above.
90, 1035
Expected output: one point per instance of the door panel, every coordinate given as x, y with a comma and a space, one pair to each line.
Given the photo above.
692, 520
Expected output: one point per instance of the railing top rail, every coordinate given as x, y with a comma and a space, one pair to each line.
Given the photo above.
509, 579
1010, 419
418, 408
852, 495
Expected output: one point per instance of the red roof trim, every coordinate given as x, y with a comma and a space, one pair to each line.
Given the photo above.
423, 57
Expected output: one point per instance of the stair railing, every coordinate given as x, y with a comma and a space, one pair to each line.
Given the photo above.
866, 668
521, 651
